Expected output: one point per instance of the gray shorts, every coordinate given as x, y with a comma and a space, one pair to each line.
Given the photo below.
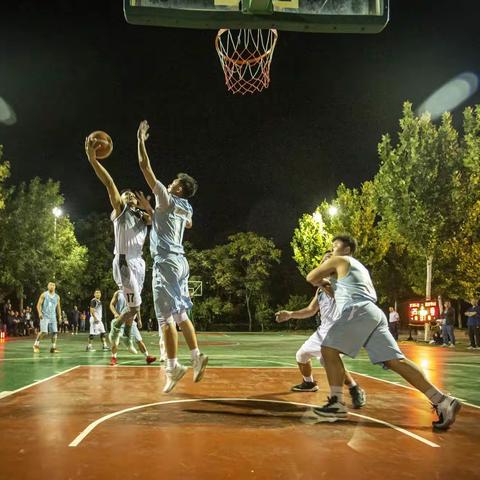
363, 325
170, 285
48, 325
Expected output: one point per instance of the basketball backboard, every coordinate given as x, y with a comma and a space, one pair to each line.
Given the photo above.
328, 16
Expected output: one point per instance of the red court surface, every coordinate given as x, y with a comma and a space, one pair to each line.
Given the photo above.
103, 422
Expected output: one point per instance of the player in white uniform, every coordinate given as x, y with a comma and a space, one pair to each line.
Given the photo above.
172, 214
117, 305
96, 322
324, 303
49, 309
362, 324
130, 229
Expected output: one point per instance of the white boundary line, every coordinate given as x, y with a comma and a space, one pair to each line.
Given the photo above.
7, 394
82, 435
404, 386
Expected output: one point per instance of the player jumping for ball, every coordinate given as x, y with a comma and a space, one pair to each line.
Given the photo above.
324, 303
130, 230
172, 214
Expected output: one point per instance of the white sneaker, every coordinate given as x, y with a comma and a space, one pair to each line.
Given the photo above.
471, 348
431, 342
199, 365
90, 348
452, 345
173, 376
444, 345
446, 410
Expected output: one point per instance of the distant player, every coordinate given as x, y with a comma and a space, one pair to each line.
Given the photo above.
362, 324
130, 230
96, 323
117, 305
172, 214
324, 303
49, 312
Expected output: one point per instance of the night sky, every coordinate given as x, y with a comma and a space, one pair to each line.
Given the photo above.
71, 67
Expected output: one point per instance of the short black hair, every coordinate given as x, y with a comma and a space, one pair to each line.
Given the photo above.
188, 183
97, 290
348, 241
125, 190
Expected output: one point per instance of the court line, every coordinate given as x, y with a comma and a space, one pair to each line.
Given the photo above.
82, 435
405, 386
7, 394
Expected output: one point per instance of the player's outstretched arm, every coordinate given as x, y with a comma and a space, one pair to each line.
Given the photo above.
145, 205
102, 174
307, 312
143, 160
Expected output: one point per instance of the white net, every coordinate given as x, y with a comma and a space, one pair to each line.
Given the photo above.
246, 56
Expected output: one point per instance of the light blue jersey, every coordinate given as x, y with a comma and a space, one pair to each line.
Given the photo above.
355, 287
170, 217
49, 306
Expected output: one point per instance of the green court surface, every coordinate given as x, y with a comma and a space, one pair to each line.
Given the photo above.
455, 370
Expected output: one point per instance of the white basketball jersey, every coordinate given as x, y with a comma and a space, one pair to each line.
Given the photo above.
130, 232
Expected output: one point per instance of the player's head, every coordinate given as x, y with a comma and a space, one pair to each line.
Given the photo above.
183, 186
344, 245
391, 309
448, 303
128, 198
97, 294
51, 287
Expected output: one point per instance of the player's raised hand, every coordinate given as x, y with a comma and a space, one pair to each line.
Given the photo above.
92, 144
142, 133
144, 202
282, 316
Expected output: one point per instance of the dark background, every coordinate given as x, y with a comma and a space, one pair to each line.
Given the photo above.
71, 67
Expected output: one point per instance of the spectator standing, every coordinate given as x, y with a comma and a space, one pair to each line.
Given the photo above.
393, 322
74, 320
473, 325
448, 328
83, 319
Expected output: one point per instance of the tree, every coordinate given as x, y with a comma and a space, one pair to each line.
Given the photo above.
4, 174
32, 251
415, 185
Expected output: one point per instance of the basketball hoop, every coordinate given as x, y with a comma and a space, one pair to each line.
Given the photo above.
245, 58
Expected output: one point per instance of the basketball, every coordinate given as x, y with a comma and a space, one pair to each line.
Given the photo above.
106, 143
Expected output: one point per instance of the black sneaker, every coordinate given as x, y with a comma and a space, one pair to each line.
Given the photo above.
333, 409
305, 387
359, 397
446, 410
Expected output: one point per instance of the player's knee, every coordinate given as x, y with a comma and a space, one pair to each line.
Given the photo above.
302, 356
328, 352
102, 336
180, 317
393, 364
90, 337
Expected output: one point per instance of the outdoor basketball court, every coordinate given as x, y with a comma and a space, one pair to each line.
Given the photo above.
74, 416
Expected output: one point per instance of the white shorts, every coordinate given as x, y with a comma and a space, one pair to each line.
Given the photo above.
129, 275
96, 328
134, 333
312, 347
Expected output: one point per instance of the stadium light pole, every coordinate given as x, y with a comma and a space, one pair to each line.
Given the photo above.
57, 213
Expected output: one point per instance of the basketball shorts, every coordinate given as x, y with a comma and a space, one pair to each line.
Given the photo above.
48, 325
363, 325
129, 275
96, 328
170, 285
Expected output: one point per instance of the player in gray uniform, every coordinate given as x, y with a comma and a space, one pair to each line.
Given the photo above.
362, 324
96, 322
324, 303
130, 230
49, 309
172, 214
